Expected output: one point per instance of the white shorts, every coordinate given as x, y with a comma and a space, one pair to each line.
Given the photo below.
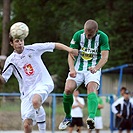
98, 122
86, 77
27, 110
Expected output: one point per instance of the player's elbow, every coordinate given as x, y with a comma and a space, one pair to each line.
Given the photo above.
105, 55
105, 59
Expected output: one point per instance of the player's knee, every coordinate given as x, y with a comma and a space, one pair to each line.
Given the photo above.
68, 91
36, 103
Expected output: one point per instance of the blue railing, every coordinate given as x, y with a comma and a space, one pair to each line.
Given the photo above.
54, 96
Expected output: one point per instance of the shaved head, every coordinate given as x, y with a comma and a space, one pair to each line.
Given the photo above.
91, 25
90, 28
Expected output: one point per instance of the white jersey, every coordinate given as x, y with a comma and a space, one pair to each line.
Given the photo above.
28, 67
77, 112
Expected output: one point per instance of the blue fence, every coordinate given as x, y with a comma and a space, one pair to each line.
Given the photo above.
54, 99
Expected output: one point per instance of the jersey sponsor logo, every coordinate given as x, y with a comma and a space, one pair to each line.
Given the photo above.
28, 69
87, 53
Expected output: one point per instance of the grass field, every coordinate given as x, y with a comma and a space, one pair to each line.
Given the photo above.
11, 119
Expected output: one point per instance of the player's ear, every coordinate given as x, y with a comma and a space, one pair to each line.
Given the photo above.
96, 30
11, 43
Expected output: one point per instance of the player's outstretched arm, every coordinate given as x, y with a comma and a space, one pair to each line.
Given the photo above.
2, 81
61, 46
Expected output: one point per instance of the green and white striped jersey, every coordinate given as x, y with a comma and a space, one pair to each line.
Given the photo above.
90, 49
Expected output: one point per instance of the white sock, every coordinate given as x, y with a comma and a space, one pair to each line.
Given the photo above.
42, 127
41, 119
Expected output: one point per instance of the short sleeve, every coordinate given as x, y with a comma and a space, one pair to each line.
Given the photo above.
40, 48
7, 70
75, 41
104, 41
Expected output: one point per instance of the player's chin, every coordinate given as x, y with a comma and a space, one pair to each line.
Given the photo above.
19, 50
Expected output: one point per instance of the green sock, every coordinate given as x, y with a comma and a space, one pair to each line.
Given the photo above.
92, 104
67, 103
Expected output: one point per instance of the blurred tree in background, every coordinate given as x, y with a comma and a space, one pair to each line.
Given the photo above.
57, 21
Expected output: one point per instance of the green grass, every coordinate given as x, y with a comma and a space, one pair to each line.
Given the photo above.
10, 106
14, 105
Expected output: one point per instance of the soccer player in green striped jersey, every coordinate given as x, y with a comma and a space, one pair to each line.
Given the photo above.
93, 46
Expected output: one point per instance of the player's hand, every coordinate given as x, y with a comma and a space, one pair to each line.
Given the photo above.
119, 115
74, 52
92, 70
73, 73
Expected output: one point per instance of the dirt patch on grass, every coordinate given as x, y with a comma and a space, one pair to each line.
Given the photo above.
12, 121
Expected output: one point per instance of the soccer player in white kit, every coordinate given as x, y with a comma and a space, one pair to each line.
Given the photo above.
35, 82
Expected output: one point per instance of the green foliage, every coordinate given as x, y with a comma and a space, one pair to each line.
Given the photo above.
0, 31
121, 37
10, 86
57, 21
